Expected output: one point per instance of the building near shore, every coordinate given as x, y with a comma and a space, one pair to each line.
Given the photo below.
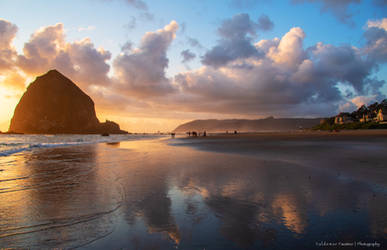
364, 118
382, 115
369, 117
343, 118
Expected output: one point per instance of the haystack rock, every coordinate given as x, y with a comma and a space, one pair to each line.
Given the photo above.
53, 104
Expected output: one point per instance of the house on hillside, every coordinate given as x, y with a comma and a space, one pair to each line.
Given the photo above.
364, 118
368, 117
343, 118
382, 115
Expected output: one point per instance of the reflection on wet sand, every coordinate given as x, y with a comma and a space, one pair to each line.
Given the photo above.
56, 204
150, 195
146, 188
285, 207
273, 193
255, 199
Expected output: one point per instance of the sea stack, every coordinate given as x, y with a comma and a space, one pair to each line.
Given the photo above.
53, 104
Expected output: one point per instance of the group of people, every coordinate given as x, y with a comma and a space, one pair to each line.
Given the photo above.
195, 134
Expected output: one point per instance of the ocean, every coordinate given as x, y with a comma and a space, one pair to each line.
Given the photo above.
15, 143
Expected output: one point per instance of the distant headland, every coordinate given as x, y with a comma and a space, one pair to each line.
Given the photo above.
53, 104
243, 125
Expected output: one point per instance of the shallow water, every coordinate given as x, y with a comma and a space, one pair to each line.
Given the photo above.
154, 194
15, 143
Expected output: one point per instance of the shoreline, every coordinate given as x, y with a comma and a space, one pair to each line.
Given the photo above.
16, 144
294, 133
356, 154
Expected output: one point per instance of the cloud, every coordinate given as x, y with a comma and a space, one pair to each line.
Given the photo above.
8, 33
127, 47
143, 15
380, 24
357, 102
340, 9
289, 52
89, 63
285, 80
7, 51
236, 35
41, 49
138, 4
240, 76
187, 56
264, 23
343, 64
147, 16
247, 4
131, 25
376, 37
362, 100
227, 51
194, 43
80, 60
10, 77
347, 107
239, 25
380, 3
141, 72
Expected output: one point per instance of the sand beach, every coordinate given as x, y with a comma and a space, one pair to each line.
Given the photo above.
270, 191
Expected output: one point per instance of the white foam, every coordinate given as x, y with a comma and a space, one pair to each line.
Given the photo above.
21, 143
11, 151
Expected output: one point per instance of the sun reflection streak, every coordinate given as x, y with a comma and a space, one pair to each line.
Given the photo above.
285, 207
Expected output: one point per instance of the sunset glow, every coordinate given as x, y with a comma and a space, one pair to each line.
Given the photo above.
193, 124
151, 67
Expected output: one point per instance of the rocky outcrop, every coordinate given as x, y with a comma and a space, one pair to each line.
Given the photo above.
53, 104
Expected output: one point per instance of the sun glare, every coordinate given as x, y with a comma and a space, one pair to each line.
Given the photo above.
8, 101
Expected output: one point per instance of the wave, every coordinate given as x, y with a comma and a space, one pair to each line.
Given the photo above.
11, 151
23, 143
20, 147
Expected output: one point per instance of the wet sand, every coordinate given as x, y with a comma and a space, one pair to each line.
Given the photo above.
278, 191
359, 153
354, 134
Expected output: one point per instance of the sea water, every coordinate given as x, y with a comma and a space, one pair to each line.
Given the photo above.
15, 143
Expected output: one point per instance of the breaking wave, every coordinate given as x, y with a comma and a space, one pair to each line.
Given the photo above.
13, 144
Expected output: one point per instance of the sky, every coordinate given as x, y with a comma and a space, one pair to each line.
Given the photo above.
152, 65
